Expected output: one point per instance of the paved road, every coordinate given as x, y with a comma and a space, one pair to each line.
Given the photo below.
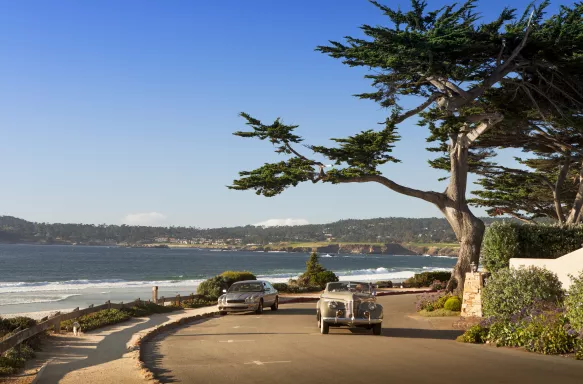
286, 347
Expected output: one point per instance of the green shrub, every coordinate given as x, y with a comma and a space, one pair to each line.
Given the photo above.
320, 279
97, 320
432, 302
476, 334
213, 288
426, 279
384, 284
547, 334
574, 302
509, 291
197, 303
233, 276
315, 274
294, 288
503, 241
147, 309
15, 358
453, 304
499, 245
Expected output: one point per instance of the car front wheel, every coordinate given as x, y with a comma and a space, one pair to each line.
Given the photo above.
275, 305
324, 327
377, 328
259, 309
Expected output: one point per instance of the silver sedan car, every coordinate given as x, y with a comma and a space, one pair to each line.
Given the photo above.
248, 295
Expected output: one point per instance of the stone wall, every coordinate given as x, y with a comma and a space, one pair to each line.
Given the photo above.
472, 300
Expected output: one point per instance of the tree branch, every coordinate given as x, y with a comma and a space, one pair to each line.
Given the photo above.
493, 118
519, 216
289, 147
414, 111
429, 196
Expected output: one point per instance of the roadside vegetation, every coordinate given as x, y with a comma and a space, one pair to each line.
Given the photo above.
438, 305
14, 359
527, 308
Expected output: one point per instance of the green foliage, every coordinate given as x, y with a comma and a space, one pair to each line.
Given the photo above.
500, 244
504, 241
212, 288
391, 230
476, 334
426, 279
15, 358
97, 320
574, 302
147, 309
197, 303
441, 312
294, 288
384, 284
508, 291
547, 334
433, 302
453, 304
315, 274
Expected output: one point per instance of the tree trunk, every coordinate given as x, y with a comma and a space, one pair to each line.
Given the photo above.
469, 231
578, 203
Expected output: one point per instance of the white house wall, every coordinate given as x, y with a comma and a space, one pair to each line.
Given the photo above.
570, 264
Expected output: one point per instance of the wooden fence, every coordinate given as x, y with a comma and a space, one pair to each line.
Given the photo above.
55, 321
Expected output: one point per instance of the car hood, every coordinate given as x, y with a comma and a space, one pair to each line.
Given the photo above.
240, 295
348, 296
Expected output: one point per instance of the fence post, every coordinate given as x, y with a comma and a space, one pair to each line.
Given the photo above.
155, 294
108, 302
178, 300
162, 300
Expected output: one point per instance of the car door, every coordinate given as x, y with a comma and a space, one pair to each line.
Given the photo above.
269, 294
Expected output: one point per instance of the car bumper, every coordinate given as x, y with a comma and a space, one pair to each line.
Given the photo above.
351, 321
238, 307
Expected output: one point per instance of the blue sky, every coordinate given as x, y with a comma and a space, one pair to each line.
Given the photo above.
123, 111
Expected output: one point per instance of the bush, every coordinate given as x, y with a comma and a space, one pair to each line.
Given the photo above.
574, 302
438, 285
315, 274
213, 288
453, 304
476, 334
384, 284
294, 288
503, 241
146, 309
426, 279
548, 334
320, 279
197, 303
15, 358
97, 320
432, 302
509, 291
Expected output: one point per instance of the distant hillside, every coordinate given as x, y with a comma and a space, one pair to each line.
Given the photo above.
381, 230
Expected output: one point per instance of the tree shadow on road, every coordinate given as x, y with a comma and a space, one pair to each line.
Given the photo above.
416, 333
153, 360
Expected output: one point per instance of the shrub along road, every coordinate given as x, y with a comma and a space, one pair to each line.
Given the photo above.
286, 347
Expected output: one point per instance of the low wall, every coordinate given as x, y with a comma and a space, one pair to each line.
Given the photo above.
570, 264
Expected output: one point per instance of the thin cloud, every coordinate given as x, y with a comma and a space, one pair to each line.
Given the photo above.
144, 218
282, 222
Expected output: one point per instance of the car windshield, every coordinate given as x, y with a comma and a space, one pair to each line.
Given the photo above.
349, 286
246, 287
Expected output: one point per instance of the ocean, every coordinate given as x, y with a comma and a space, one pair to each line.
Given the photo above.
55, 277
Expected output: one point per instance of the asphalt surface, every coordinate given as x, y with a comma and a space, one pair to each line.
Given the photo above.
286, 347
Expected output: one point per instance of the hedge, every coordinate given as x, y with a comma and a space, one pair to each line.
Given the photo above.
426, 279
212, 288
504, 241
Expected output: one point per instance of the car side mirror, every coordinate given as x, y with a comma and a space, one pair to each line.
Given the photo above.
224, 291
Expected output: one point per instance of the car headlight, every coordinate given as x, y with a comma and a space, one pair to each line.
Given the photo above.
372, 306
332, 305
250, 299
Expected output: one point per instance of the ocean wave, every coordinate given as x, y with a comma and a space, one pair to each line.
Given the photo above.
441, 256
74, 285
106, 285
20, 299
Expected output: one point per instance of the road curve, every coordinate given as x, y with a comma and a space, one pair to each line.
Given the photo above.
286, 347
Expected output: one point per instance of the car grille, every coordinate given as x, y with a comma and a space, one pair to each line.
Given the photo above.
235, 301
355, 306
